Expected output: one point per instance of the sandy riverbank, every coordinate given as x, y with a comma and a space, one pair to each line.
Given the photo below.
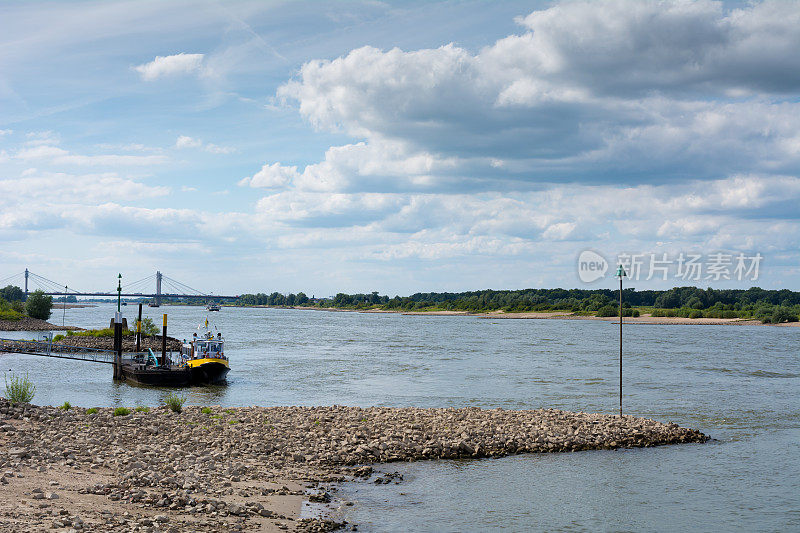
645, 318
251, 468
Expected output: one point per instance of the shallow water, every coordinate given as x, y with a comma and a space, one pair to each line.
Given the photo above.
739, 384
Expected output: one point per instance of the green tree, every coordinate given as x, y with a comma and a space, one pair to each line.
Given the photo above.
39, 305
12, 293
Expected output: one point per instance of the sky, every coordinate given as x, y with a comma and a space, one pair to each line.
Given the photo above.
400, 147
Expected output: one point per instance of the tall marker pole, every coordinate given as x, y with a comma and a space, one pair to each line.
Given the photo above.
64, 308
621, 274
119, 293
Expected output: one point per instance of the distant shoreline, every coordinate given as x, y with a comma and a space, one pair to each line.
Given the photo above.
645, 318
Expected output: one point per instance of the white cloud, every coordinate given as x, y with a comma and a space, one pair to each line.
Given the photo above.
271, 177
6, 132
60, 156
70, 188
172, 65
184, 141
188, 142
156, 249
216, 149
591, 92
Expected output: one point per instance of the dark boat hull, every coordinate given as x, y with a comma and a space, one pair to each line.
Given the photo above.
207, 374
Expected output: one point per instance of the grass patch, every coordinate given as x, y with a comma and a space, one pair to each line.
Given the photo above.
206, 410
233, 422
122, 411
105, 332
142, 409
10, 315
66, 406
91, 410
19, 389
174, 402
229, 411
217, 417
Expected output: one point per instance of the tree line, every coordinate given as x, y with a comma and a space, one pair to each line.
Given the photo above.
691, 302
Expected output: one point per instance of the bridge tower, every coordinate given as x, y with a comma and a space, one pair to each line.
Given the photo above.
26, 283
158, 288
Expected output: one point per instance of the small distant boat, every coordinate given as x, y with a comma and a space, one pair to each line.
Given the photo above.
212, 307
124, 303
153, 304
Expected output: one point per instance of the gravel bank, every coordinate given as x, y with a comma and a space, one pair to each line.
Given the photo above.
128, 343
102, 343
27, 323
249, 468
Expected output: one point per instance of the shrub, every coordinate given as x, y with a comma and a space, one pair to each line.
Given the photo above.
19, 389
607, 310
782, 314
696, 314
174, 402
91, 410
206, 410
121, 411
38, 305
149, 328
9, 315
66, 406
142, 409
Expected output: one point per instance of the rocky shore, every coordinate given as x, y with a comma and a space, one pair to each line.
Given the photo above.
27, 323
152, 342
249, 469
66, 344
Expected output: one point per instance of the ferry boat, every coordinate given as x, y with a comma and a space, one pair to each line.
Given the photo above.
205, 358
201, 361
212, 307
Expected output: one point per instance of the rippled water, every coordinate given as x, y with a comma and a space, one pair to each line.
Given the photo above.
739, 384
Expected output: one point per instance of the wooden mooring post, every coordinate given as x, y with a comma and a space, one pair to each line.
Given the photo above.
118, 345
164, 343
139, 330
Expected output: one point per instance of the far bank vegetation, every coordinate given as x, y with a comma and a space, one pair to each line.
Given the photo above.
768, 306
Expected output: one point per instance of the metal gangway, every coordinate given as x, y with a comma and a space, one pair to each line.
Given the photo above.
47, 348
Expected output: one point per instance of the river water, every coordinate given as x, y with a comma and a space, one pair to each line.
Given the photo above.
738, 384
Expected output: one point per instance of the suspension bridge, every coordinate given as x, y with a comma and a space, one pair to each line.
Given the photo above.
165, 287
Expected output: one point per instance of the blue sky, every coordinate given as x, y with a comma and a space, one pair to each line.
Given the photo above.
396, 146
